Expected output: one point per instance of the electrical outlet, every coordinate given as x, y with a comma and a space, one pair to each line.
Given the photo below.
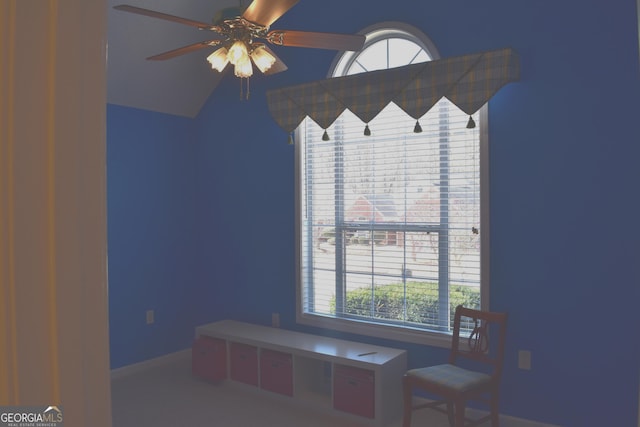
524, 359
150, 317
275, 320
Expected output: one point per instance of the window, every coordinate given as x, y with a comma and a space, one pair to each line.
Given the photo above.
389, 237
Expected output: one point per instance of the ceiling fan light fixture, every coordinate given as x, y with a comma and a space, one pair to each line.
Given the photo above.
219, 59
262, 58
237, 52
243, 68
237, 37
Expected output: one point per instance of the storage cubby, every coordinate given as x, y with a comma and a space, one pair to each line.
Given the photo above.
354, 390
276, 371
243, 363
313, 380
209, 358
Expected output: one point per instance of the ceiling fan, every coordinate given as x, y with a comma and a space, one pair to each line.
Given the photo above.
239, 38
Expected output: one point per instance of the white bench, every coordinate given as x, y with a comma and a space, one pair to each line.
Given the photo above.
359, 380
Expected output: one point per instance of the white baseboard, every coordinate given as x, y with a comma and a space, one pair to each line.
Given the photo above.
151, 363
506, 420
509, 421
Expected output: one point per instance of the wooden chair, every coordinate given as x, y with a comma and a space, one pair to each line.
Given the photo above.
454, 385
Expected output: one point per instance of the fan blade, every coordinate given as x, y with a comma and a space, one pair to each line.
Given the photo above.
172, 18
332, 41
278, 66
266, 12
185, 49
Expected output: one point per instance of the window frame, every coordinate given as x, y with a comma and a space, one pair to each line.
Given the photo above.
402, 333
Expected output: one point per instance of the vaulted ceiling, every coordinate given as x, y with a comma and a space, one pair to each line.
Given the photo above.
161, 86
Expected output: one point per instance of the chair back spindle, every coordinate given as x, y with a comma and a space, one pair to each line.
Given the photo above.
485, 343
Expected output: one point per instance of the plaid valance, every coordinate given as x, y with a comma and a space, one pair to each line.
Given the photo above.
468, 81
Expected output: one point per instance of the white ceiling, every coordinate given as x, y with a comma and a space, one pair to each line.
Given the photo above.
160, 86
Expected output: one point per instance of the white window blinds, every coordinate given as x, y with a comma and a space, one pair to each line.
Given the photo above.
390, 221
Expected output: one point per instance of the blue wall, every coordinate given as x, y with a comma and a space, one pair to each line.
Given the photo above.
203, 226
151, 209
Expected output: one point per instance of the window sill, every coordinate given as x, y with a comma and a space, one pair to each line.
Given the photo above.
396, 333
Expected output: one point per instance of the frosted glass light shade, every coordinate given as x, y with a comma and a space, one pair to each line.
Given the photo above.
237, 52
263, 59
219, 59
243, 68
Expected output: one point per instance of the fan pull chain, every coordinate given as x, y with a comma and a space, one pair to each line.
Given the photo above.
242, 89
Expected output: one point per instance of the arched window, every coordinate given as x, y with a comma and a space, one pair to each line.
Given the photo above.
389, 218
388, 45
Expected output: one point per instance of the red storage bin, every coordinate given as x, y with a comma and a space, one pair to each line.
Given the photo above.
276, 372
353, 390
209, 358
243, 363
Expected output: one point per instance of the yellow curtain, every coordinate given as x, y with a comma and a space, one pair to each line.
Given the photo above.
53, 296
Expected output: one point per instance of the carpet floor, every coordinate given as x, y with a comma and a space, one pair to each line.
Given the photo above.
169, 396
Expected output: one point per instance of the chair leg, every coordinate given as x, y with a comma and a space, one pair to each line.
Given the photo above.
450, 413
459, 413
495, 410
407, 396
